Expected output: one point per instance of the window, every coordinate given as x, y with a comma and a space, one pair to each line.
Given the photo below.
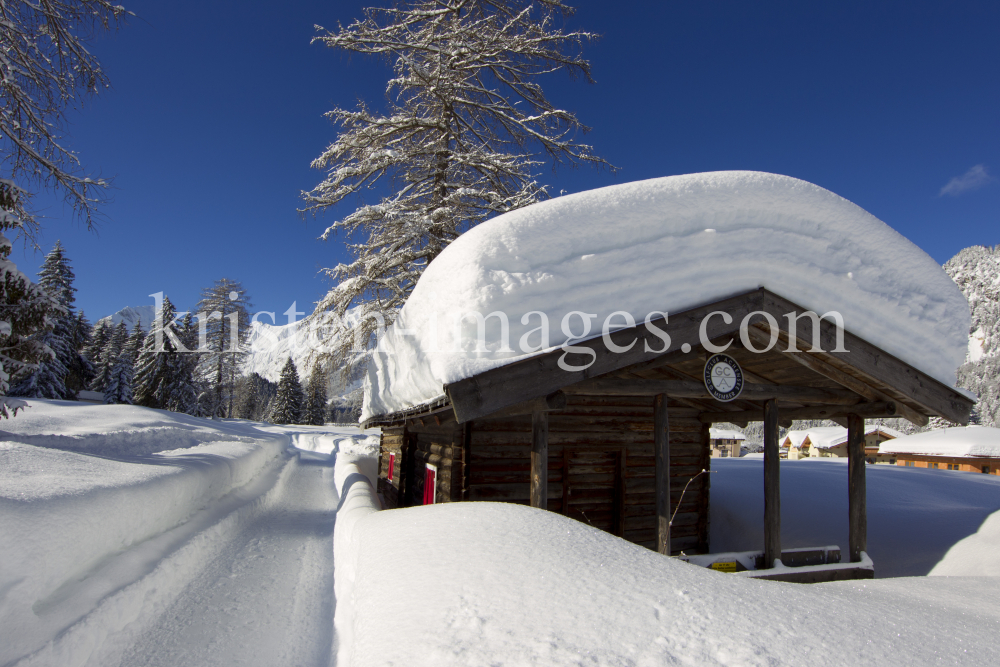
392, 464
430, 484
953, 466
934, 465
908, 464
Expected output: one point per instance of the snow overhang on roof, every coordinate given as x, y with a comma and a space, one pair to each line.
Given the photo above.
962, 441
662, 245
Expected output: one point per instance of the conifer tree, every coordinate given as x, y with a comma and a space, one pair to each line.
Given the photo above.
226, 304
316, 410
110, 355
162, 372
119, 386
289, 402
254, 394
465, 130
48, 380
25, 310
134, 342
98, 339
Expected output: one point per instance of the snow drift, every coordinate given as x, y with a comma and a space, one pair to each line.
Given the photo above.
81, 484
666, 244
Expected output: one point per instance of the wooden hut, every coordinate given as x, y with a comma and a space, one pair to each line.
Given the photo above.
621, 445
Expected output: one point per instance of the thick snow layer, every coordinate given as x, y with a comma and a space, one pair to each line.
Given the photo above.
80, 483
722, 434
915, 515
825, 437
974, 556
220, 552
497, 584
958, 441
665, 244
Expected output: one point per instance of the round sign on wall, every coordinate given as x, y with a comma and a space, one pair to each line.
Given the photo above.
723, 377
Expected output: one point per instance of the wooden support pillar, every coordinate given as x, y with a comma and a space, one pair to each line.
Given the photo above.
856, 489
540, 459
772, 485
661, 447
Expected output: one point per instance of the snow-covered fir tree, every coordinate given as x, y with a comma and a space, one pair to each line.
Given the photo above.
226, 306
134, 342
288, 406
254, 394
25, 309
316, 410
81, 374
465, 130
109, 357
163, 377
48, 380
118, 390
99, 337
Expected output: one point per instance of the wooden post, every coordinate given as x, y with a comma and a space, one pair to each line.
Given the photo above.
565, 483
856, 489
772, 485
621, 464
540, 459
661, 447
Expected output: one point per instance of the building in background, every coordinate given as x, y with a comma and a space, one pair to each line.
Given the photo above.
831, 442
963, 448
725, 443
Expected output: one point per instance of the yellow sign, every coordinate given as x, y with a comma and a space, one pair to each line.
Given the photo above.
729, 566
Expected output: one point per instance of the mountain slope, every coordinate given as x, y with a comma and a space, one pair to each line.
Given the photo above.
976, 270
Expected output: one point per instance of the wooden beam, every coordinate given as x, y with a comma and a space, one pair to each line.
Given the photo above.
871, 410
817, 365
772, 485
551, 403
520, 381
661, 447
932, 395
540, 460
689, 389
856, 488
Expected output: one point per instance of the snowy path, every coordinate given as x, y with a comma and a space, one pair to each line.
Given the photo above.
267, 598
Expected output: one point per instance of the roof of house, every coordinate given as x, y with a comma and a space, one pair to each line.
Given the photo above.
825, 437
960, 441
723, 434
662, 246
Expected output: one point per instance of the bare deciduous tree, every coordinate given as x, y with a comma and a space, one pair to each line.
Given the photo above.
465, 129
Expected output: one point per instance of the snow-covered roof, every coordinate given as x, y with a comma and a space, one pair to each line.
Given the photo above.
825, 437
665, 244
722, 434
968, 441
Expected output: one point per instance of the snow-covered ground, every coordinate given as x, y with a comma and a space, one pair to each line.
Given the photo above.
138, 537
141, 537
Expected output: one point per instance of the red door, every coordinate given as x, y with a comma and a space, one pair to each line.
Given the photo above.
430, 484
392, 464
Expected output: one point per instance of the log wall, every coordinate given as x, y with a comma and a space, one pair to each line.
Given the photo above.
600, 465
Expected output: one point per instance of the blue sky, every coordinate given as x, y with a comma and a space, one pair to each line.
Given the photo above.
217, 110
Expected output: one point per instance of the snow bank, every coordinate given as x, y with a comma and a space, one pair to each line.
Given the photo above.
666, 244
500, 584
915, 515
974, 556
957, 441
65, 512
356, 475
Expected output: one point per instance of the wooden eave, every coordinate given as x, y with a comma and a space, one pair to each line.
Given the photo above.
865, 380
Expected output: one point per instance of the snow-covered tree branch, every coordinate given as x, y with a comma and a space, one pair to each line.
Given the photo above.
45, 68
465, 129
